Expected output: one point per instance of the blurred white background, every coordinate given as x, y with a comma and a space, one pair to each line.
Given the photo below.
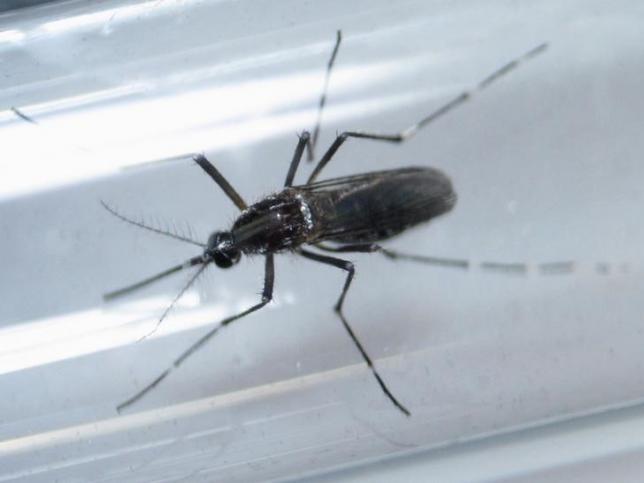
547, 166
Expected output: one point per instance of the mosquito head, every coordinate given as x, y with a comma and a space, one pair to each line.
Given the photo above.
222, 250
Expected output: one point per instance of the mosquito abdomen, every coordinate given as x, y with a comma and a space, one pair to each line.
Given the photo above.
383, 204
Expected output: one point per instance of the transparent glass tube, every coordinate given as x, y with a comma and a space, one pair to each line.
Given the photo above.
547, 166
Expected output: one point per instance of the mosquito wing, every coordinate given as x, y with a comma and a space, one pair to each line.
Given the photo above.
375, 206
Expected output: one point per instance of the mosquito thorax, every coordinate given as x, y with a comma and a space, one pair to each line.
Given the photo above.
221, 249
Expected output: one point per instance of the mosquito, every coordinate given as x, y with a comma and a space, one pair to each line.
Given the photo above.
318, 220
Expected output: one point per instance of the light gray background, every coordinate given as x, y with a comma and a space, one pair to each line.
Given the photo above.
547, 165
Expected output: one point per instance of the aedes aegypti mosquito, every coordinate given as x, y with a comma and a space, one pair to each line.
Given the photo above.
339, 215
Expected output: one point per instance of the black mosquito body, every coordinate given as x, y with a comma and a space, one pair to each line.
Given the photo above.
358, 209
348, 214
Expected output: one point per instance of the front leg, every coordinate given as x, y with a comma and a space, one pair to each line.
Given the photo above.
222, 182
267, 296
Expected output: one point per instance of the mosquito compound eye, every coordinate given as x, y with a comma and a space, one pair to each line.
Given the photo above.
225, 259
222, 250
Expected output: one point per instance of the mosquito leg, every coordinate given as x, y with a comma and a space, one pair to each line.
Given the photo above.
517, 268
55, 136
218, 178
372, 247
267, 295
441, 111
22, 115
556, 268
297, 157
327, 77
144, 283
348, 267
185, 288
